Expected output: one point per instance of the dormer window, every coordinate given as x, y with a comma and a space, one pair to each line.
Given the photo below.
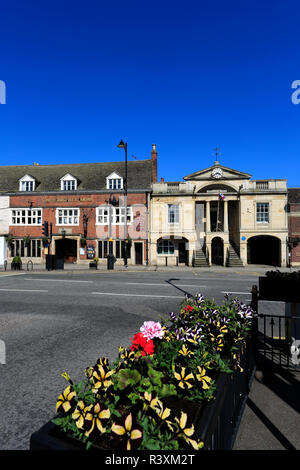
27, 183
68, 183
114, 181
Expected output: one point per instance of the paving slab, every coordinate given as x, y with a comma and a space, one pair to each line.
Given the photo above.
271, 419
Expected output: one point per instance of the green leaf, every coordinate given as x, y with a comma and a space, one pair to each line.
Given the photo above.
126, 378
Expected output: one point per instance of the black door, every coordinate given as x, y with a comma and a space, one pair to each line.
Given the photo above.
138, 247
217, 252
182, 253
66, 249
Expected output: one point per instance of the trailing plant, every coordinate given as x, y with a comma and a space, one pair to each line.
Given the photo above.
26, 240
82, 241
9, 239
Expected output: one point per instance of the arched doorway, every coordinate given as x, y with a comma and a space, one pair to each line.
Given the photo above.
264, 249
217, 251
66, 248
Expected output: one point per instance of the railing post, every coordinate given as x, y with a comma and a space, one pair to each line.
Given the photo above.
254, 333
254, 298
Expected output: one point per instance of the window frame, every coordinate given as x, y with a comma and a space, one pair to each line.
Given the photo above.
115, 215
18, 248
112, 179
26, 180
262, 214
67, 179
36, 213
63, 216
176, 214
169, 243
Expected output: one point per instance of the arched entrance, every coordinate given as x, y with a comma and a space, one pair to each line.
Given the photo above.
217, 251
66, 248
264, 249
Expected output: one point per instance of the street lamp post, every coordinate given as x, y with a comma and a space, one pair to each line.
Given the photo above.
123, 145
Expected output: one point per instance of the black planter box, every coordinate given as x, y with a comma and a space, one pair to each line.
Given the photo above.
16, 266
93, 265
216, 423
49, 438
279, 289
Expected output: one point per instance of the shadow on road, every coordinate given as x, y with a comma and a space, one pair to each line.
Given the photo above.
169, 281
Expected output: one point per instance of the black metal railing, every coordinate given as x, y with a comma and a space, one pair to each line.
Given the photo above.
276, 336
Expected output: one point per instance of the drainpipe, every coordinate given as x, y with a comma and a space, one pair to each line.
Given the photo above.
147, 235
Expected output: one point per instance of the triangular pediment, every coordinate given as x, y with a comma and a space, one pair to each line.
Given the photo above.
68, 176
217, 172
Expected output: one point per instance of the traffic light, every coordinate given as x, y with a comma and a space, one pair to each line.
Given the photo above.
45, 229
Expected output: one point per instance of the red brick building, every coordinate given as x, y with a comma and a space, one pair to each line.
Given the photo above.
84, 205
294, 225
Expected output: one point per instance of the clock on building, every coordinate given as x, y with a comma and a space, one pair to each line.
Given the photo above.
217, 173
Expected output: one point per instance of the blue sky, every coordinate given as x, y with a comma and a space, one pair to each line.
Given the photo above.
185, 75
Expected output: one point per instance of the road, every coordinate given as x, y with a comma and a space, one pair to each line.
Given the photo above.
56, 322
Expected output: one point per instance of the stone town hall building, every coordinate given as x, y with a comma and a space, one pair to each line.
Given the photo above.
219, 216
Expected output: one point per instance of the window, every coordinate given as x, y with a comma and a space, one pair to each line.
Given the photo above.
262, 212
26, 217
165, 247
102, 216
68, 183
114, 215
67, 216
119, 215
27, 183
114, 181
32, 250
173, 213
116, 247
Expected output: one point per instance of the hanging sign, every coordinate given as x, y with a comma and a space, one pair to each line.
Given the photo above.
90, 252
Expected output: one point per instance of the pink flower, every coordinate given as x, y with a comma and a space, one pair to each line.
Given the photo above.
151, 330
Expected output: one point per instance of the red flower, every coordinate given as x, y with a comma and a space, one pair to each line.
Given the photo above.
140, 343
189, 308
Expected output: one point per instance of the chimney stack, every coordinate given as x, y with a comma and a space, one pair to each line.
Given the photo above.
154, 163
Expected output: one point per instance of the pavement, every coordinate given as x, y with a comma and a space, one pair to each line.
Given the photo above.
74, 267
271, 419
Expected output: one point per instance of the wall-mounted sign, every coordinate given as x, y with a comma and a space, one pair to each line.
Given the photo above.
243, 238
90, 252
